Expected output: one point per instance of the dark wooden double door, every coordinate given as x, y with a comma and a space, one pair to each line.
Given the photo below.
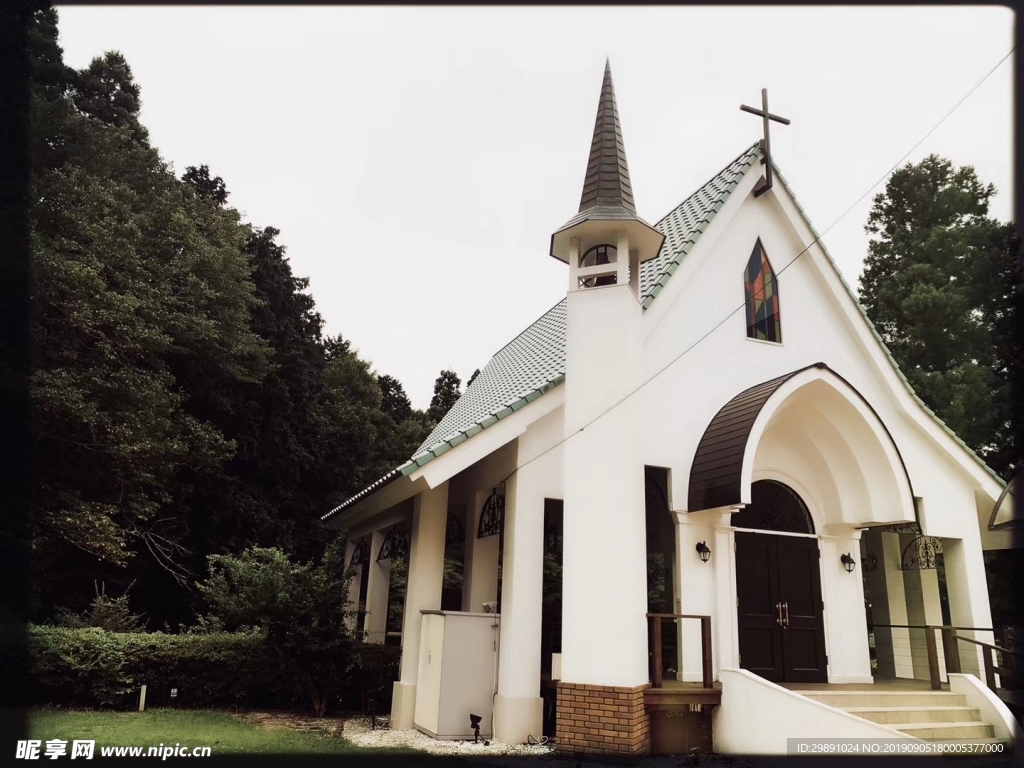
781, 626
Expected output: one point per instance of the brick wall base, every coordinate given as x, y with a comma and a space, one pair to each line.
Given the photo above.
602, 720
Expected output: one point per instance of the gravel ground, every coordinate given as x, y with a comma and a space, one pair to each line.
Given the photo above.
358, 731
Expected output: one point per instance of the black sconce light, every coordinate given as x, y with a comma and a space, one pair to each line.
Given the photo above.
848, 562
869, 563
703, 551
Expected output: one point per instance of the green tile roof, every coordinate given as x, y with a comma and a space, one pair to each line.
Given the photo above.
534, 361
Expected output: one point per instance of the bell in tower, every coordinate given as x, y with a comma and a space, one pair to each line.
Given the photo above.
605, 243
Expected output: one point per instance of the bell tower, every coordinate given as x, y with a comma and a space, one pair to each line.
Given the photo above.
605, 242
604, 576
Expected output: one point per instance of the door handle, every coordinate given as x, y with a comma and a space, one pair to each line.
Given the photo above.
785, 622
778, 619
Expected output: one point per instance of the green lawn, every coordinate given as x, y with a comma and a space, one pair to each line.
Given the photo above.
222, 732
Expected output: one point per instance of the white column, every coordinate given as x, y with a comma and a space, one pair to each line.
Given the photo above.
376, 622
422, 593
846, 629
352, 596
923, 607
968, 597
725, 620
604, 567
695, 590
480, 574
889, 605
518, 708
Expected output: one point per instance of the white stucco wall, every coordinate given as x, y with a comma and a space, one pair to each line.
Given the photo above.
814, 328
757, 717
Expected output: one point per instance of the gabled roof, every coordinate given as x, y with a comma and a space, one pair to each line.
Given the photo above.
534, 362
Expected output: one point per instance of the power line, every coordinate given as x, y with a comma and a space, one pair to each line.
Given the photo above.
676, 359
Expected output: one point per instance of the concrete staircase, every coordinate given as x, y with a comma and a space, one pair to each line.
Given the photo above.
929, 715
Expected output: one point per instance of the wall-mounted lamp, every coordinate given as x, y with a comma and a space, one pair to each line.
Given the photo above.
703, 551
869, 563
848, 562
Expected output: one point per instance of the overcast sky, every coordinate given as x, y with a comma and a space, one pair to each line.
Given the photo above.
417, 160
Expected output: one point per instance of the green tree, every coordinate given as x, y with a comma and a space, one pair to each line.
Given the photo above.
937, 283
394, 402
205, 186
446, 393
112, 614
472, 378
107, 91
301, 606
132, 278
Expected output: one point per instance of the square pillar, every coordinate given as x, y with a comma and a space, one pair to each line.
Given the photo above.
968, 598
725, 619
422, 593
375, 624
889, 605
518, 707
352, 596
921, 589
694, 589
846, 630
480, 574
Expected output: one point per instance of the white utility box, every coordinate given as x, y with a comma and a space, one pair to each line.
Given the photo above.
457, 673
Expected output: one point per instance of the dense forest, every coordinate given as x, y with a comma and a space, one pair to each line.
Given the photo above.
185, 399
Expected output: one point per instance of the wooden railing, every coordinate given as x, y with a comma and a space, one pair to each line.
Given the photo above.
655, 640
951, 652
988, 652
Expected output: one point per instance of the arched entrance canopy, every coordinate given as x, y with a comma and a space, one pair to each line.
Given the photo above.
832, 417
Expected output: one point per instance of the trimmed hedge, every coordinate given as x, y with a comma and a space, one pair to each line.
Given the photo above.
93, 668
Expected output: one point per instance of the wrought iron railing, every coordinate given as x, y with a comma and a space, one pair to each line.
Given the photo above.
655, 642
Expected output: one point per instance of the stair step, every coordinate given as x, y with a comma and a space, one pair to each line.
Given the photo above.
931, 730
875, 699
893, 715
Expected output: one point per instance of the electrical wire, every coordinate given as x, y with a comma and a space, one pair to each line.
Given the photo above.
676, 359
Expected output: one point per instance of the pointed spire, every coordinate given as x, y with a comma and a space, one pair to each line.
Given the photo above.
607, 179
607, 193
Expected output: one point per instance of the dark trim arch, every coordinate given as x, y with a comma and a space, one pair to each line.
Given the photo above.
716, 472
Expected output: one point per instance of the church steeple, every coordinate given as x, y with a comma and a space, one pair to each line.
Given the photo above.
605, 243
607, 179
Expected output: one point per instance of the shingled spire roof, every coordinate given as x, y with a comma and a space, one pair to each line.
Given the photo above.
607, 192
607, 179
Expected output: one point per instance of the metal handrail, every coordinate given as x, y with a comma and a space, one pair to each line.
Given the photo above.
705, 646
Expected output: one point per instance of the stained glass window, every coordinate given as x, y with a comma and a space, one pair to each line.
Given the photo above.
762, 297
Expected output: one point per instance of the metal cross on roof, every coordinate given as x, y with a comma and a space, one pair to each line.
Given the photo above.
767, 160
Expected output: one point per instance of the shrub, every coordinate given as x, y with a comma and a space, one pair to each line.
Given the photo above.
374, 673
94, 668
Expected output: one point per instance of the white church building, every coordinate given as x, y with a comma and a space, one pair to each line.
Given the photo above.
709, 392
